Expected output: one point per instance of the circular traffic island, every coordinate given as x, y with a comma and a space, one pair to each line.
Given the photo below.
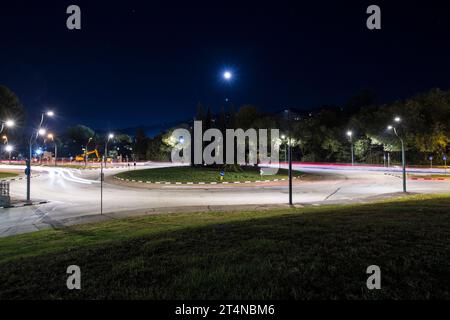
201, 175
7, 174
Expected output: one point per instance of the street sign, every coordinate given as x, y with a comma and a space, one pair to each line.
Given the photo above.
222, 173
444, 158
27, 171
431, 158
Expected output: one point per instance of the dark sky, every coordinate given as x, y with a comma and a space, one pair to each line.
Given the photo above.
147, 62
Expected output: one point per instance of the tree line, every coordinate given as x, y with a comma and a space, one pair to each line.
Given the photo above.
318, 135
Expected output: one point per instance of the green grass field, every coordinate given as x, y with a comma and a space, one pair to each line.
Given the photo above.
198, 174
5, 175
308, 253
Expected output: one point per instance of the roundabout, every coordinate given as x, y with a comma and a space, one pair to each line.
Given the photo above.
73, 196
199, 175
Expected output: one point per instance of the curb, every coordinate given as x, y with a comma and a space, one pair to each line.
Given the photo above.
21, 178
417, 179
25, 205
124, 167
199, 183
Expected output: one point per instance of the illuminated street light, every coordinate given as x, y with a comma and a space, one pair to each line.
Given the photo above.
86, 152
391, 127
350, 134
283, 138
8, 123
39, 132
52, 137
110, 136
9, 149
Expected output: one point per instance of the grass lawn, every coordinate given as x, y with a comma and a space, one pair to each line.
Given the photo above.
308, 253
198, 174
4, 175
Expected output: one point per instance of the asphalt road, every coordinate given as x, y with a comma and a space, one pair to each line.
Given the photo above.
73, 196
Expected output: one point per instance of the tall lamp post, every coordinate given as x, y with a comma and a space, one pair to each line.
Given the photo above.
110, 136
350, 135
52, 137
283, 138
391, 127
9, 149
7, 123
86, 152
39, 132
288, 115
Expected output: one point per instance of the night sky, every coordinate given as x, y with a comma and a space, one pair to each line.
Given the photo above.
146, 62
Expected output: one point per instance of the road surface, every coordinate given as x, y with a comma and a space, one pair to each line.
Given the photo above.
73, 196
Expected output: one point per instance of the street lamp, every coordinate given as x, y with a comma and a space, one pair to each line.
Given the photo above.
52, 137
283, 138
110, 136
288, 115
9, 149
39, 132
350, 135
8, 123
391, 127
86, 152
